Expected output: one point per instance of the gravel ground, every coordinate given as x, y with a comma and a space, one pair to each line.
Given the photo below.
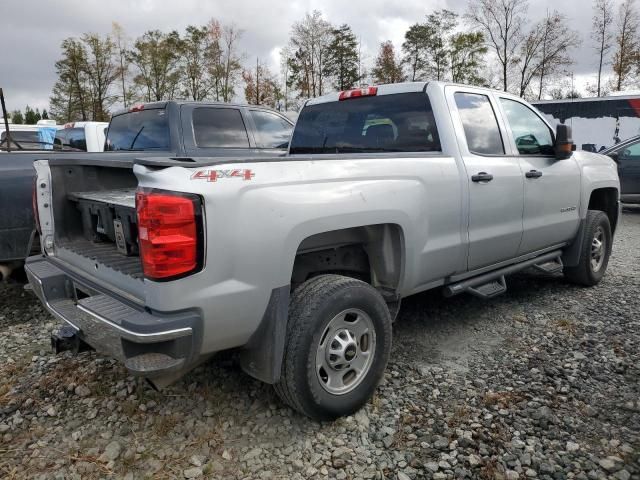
542, 382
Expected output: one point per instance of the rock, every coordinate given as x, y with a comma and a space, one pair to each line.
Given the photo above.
610, 464
226, 455
111, 452
441, 443
362, 418
511, 475
253, 453
433, 466
403, 476
474, 460
82, 391
531, 473
622, 475
51, 411
572, 447
194, 472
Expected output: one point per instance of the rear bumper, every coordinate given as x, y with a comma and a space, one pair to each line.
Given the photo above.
150, 344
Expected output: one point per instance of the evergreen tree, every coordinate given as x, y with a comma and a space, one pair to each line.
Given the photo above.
342, 59
45, 114
30, 117
415, 49
17, 118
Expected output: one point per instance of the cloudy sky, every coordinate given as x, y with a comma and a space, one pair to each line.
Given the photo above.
31, 30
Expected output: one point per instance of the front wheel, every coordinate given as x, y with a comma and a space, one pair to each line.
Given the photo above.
338, 345
596, 249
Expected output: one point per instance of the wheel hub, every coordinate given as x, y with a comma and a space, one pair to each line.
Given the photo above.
598, 249
345, 352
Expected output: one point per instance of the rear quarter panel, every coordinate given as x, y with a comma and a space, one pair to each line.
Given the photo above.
254, 227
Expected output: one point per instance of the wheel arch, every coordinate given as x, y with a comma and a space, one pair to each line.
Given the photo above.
376, 250
605, 199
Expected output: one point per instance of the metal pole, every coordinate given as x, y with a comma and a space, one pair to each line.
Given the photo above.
6, 121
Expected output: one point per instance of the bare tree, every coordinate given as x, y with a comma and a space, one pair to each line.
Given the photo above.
102, 72
121, 42
545, 52
557, 41
601, 34
310, 40
626, 43
501, 22
231, 35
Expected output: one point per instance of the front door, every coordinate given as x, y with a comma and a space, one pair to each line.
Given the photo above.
495, 181
629, 169
551, 187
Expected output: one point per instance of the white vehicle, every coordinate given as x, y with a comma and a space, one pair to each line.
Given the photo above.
300, 261
81, 137
29, 137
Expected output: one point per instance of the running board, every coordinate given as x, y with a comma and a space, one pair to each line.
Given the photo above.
490, 284
550, 268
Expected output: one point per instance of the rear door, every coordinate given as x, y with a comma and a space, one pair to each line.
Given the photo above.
494, 178
551, 187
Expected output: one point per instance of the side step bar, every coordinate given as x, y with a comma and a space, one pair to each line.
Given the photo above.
492, 283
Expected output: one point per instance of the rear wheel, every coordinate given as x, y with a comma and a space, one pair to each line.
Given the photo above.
596, 249
338, 344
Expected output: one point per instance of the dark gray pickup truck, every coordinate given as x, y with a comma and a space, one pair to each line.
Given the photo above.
176, 129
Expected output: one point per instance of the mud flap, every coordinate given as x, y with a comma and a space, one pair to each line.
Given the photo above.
261, 357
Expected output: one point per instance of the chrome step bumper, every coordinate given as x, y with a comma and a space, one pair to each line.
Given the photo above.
149, 344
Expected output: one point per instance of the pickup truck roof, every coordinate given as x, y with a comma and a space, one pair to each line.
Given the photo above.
163, 104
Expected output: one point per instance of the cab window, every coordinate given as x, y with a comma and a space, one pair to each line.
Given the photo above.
480, 124
531, 134
272, 131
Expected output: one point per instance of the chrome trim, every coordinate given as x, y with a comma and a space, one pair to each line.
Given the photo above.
140, 337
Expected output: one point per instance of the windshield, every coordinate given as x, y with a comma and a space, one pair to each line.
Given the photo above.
387, 123
143, 130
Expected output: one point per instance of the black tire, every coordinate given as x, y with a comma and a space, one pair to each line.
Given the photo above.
585, 273
314, 305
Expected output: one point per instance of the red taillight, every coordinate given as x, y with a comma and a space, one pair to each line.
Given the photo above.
358, 92
34, 205
169, 234
137, 108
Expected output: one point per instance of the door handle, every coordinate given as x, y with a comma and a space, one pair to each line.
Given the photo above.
482, 177
533, 174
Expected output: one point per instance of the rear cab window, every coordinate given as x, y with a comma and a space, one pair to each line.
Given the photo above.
70, 139
272, 131
480, 124
139, 130
401, 122
219, 128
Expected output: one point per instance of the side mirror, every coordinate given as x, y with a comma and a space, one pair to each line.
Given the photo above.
564, 146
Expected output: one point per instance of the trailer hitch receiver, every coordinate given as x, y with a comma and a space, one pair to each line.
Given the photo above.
66, 339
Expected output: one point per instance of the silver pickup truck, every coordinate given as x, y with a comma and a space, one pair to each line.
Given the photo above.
300, 262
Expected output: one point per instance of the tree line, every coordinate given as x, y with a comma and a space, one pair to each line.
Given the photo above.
29, 117
493, 43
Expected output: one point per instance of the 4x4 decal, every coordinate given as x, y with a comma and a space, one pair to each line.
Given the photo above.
214, 175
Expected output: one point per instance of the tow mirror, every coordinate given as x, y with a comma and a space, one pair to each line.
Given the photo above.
564, 146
